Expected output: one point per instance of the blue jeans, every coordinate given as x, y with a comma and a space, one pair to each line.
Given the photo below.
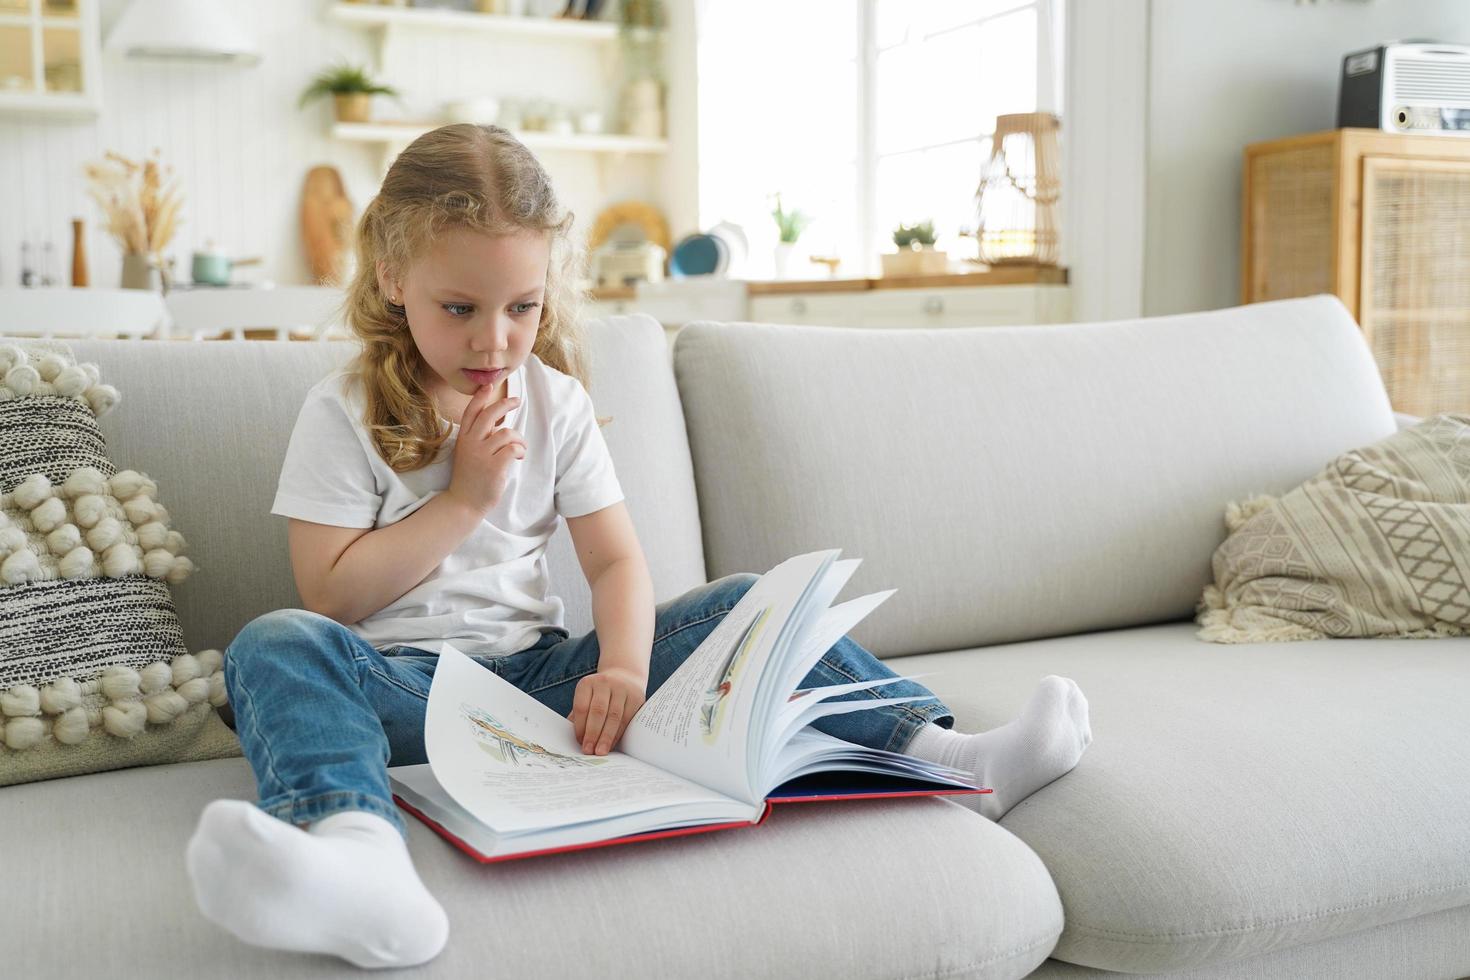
321, 714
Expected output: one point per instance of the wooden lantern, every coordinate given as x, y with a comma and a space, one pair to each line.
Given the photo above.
1018, 192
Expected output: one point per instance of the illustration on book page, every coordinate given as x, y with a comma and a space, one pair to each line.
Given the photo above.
511, 749
712, 712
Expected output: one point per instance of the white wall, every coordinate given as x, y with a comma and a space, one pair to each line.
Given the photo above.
1104, 139
243, 149
1226, 73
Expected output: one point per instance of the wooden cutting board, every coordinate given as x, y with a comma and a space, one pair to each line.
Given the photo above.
326, 224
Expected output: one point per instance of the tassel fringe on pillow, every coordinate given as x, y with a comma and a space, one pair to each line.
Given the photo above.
119, 701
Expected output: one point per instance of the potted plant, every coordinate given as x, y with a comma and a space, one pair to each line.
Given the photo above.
789, 225
351, 89
916, 254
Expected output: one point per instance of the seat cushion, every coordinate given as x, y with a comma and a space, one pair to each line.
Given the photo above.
900, 888
1238, 799
1432, 945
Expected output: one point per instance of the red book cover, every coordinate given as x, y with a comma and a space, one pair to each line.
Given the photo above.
821, 788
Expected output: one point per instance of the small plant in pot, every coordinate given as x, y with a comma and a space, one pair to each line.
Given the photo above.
914, 236
789, 226
351, 89
916, 254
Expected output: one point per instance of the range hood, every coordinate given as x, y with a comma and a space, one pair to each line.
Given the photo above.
183, 30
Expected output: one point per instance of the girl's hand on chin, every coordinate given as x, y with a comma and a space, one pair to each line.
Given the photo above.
484, 452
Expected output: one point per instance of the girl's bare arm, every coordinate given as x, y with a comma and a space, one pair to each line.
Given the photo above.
347, 573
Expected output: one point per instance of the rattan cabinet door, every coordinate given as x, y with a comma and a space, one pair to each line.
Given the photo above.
1289, 224
1415, 282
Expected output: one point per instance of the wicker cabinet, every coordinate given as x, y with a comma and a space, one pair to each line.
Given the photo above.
1383, 222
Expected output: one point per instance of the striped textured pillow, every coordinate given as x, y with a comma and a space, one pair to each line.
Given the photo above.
1377, 544
94, 673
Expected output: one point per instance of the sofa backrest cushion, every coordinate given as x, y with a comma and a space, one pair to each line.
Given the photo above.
210, 421
1016, 482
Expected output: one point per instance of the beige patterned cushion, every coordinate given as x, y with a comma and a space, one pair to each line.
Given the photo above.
94, 673
1377, 544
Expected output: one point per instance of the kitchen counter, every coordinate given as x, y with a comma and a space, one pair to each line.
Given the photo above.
991, 276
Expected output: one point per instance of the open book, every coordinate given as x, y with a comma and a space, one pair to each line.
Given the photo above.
725, 737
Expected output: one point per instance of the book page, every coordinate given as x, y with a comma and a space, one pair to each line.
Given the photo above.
783, 677
835, 623
417, 786
807, 705
515, 764
698, 723
812, 751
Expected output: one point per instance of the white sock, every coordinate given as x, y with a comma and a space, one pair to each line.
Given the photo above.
1044, 742
347, 886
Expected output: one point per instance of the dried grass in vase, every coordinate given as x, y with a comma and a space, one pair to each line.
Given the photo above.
140, 199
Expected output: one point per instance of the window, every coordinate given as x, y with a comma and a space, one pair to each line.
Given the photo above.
861, 113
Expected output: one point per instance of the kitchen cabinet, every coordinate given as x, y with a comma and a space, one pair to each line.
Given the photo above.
49, 57
952, 306
996, 297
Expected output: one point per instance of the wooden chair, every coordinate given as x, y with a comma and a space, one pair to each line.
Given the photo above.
86, 312
277, 313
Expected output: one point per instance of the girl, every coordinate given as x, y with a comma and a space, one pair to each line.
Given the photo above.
422, 483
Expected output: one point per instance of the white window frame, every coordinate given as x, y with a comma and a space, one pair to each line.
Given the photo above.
1049, 89
1049, 94
1048, 97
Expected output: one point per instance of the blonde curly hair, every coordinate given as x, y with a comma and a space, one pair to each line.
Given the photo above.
461, 176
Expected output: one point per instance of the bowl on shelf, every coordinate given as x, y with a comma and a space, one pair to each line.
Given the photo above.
481, 110
590, 121
699, 255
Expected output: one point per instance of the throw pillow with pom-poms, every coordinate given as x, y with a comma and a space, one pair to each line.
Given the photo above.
94, 673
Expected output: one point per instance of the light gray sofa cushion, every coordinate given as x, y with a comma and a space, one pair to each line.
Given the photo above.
1238, 800
1432, 945
1016, 482
210, 421
883, 889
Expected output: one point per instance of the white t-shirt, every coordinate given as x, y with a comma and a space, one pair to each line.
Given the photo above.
490, 595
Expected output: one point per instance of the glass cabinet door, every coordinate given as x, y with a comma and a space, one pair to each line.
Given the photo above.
49, 51
62, 57
17, 67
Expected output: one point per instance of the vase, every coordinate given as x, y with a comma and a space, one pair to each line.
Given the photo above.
784, 257
140, 272
78, 253
353, 107
643, 113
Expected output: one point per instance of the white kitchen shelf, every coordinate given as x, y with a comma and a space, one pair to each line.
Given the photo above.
58, 104
370, 15
395, 133
25, 20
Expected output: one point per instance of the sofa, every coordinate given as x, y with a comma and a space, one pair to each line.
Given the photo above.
1045, 500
